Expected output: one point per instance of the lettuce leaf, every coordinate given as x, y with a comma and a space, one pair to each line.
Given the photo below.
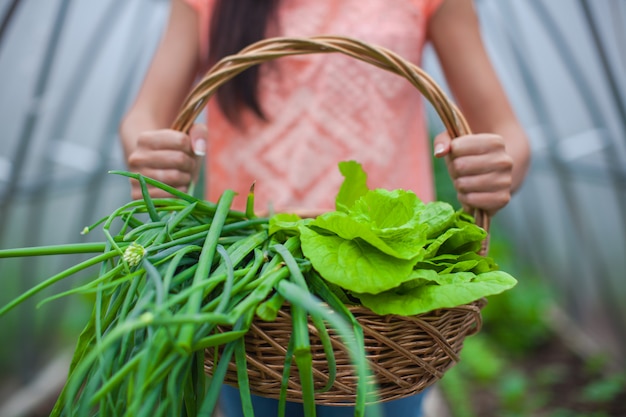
451, 291
353, 264
393, 252
286, 223
389, 221
438, 216
353, 187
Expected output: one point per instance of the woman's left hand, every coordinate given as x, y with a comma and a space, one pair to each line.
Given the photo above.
480, 168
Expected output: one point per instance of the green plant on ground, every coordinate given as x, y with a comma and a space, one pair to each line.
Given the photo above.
604, 390
514, 332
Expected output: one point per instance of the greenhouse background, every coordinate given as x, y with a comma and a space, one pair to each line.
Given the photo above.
562, 63
70, 68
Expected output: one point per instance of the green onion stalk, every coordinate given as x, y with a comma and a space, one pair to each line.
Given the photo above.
178, 276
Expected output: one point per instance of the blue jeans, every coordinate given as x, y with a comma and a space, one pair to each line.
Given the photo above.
230, 404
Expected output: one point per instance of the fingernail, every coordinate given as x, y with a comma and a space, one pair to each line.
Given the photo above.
199, 147
439, 149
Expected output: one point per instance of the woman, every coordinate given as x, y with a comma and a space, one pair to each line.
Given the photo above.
286, 124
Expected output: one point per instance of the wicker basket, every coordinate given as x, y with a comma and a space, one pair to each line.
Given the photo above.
407, 354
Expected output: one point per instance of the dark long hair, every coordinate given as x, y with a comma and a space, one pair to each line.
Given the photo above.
236, 24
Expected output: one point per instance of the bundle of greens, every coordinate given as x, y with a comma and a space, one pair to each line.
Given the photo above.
396, 254
175, 272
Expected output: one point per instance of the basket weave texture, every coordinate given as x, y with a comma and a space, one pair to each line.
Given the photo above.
407, 354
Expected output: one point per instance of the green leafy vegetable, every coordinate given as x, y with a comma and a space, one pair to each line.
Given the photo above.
393, 252
450, 290
352, 190
353, 264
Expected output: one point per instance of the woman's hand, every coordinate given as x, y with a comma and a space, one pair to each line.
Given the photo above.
169, 156
149, 147
480, 168
486, 168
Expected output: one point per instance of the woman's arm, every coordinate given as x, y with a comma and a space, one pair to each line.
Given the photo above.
480, 163
149, 146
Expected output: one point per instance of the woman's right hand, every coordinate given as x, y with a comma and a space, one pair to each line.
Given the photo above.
169, 156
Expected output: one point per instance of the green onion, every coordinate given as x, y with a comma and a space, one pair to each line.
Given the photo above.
205, 262
178, 276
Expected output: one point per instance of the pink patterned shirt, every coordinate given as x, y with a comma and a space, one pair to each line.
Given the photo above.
327, 108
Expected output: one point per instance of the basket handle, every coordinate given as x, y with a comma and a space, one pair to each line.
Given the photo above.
272, 48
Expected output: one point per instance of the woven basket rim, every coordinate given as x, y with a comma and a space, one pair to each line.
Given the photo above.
381, 57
